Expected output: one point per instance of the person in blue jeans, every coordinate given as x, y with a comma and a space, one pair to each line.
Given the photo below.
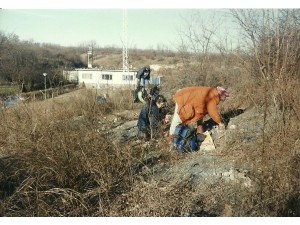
150, 117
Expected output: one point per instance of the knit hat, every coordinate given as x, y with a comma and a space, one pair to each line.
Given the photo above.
222, 92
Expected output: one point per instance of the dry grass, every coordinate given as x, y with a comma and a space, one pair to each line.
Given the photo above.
58, 164
272, 156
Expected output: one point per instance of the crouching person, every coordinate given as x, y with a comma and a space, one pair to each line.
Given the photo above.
150, 117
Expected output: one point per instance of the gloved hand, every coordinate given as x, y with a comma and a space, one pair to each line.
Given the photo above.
221, 126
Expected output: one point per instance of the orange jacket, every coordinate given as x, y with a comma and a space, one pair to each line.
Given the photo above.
195, 102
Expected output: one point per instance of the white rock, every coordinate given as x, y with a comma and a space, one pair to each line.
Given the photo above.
232, 127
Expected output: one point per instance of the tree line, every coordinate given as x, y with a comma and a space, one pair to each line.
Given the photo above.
24, 62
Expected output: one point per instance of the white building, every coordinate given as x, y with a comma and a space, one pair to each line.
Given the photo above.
71, 75
99, 79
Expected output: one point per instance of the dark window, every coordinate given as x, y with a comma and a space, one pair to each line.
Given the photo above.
106, 77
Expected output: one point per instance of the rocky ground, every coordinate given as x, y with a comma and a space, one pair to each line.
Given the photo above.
199, 170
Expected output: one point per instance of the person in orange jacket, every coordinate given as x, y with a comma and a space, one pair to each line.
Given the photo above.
193, 103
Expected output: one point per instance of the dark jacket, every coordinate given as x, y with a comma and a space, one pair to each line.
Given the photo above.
150, 117
142, 73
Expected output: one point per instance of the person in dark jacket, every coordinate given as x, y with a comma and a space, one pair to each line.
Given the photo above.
150, 117
143, 76
143, 80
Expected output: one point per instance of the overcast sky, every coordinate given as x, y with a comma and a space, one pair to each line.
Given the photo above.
149, 24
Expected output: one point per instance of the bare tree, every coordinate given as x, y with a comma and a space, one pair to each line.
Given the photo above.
271, 38
274, 39
198, 44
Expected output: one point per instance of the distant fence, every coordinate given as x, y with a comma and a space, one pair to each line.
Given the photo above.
50, 93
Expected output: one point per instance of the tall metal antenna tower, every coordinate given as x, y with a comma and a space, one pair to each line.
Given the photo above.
125, 43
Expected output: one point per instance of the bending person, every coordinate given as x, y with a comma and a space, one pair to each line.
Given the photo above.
193, 103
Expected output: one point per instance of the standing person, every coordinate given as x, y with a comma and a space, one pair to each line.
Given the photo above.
150, 117
143, 80
193, 103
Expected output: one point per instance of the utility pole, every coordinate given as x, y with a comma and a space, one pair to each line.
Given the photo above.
45, 74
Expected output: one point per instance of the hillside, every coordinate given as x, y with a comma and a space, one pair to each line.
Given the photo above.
70, 155
112, 59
